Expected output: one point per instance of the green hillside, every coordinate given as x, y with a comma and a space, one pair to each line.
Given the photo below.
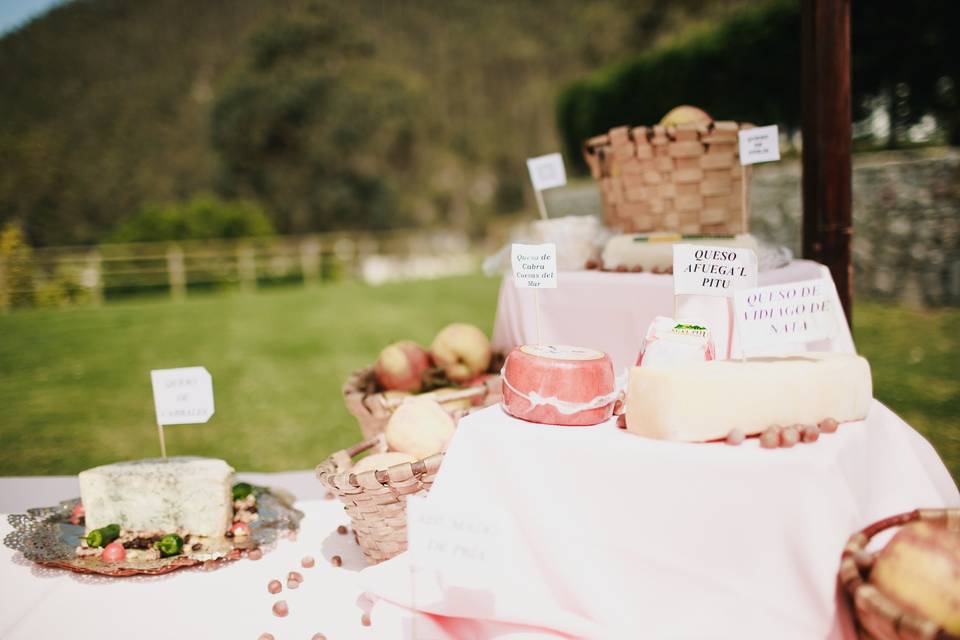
330, 114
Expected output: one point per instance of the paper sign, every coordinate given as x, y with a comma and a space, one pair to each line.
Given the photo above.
547, 172
713, 271
182, 396
461, 545
760, 144
534, 265
784, 313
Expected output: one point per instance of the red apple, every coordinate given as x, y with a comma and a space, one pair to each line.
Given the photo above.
462, 351
920, 570
401, 366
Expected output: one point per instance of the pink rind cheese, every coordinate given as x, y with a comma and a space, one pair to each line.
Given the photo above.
545, 383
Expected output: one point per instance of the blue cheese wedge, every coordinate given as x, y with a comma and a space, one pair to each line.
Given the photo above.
174, 494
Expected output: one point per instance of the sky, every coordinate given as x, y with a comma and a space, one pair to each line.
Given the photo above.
14, 13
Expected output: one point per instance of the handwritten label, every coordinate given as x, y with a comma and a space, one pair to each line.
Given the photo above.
534, 265
784, 313
760, 144
547, 172
461, 545
182, 396
713, 271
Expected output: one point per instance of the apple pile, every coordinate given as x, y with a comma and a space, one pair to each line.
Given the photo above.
459, 355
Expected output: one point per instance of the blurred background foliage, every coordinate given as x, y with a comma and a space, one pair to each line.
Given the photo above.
203, 217
329, 115
747, 67
374, 115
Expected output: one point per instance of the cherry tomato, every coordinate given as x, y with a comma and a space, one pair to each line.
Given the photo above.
114, 552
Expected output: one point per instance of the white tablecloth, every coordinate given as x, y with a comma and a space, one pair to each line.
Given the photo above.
611, 311
229, 602
605, 534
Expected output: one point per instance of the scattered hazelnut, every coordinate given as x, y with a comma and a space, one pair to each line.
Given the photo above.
789, 436
637, 269
622, 421
293, 584
592, 264
828, 425
295, 575
336, 561
280, 609
736, 437
365, 619
811, 433
770, 438
274, 587
255, 554
307, 562
318, 636
266, 636
328, 495
342, 530
622, 268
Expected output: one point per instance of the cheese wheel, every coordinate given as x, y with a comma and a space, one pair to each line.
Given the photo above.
559, 385
700, 401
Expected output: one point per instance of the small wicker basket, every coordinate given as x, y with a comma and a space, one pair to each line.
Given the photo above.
684, 179
376, 501
877, 616
373, 408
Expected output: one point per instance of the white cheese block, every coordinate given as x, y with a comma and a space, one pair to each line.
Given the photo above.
654, 251
188, 493
706, 400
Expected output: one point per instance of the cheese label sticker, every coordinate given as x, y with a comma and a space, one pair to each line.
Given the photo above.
760, 144
547, 172
789, 313
713, 271
534, 265
182, 396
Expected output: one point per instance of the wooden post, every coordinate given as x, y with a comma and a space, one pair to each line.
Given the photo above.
827, 130
310, 260
247, 267
176, 272
93, 277
4, 294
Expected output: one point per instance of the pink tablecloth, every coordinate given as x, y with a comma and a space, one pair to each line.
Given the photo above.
610, 535
611, 311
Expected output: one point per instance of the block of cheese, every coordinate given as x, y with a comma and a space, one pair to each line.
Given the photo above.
158, 494
561, 385
706, 400
654, 251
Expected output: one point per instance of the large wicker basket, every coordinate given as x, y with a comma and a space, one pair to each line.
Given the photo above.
376, 501
373, 408
685, 179
877, 616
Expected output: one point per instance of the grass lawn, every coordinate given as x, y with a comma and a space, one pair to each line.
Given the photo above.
75, 388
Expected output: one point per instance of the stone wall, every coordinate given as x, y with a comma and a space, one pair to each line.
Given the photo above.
906, 222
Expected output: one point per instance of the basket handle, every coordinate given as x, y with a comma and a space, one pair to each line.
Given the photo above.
440, 396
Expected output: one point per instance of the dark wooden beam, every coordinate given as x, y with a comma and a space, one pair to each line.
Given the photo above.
827, 131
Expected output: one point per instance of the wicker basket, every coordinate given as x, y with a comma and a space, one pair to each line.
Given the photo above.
877, 616
376, 501
685, 179
373, 408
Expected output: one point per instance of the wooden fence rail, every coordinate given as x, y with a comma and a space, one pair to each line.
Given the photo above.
92, 274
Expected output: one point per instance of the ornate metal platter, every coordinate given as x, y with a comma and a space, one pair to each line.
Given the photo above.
45, 536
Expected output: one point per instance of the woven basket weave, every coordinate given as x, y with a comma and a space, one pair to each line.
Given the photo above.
685, 179
376, 501
877, 616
